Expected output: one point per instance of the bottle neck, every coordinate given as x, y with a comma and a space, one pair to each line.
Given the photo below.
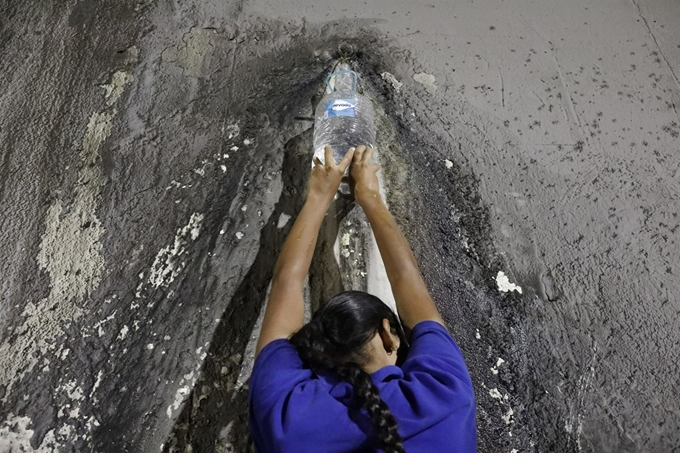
343, 82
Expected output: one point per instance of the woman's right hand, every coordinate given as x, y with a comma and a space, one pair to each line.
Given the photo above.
363, 178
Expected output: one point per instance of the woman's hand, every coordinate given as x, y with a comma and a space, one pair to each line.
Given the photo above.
325, 178
364, 181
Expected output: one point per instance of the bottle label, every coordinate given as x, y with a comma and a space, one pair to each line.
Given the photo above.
340, 107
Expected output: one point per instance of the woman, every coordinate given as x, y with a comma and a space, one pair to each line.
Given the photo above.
333, 384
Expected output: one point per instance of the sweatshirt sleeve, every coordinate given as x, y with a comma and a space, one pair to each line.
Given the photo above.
277, 370
436, 380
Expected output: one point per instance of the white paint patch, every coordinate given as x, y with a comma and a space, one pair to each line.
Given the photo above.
99, 324
477, 334
283, 220
65, 430
180, 396
224, 167
494, 393
15, 436
500, 362
97, 382
73, 391
448, 163
195, 229
239, 235
168, 264
70, 252
115, 88
123, 332
91, 423
504, 284
233, 130
182, 392
345, 239
507, 418
425, 79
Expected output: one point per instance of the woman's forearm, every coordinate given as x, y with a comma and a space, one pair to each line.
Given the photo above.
296, 254
285, 305
410, 292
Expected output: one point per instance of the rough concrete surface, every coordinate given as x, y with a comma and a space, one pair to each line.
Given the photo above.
153, 154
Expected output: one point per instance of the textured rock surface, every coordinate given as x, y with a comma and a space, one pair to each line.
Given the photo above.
153, 155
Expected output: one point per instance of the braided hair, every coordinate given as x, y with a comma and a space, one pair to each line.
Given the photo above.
335, 340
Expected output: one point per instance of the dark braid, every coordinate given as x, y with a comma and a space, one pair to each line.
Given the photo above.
319, 352
368, 396
313, 347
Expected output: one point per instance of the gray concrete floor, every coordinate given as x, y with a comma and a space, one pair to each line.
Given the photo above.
151, 152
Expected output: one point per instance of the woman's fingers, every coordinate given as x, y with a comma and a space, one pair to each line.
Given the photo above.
329, 156
367, 156
344, 163
358, 153
317, 161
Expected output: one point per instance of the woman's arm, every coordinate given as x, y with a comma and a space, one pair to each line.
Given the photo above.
413, 299
284, 313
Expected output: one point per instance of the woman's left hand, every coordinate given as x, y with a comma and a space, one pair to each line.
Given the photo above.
325, 178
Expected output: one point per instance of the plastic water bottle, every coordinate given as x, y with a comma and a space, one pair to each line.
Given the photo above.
343, 119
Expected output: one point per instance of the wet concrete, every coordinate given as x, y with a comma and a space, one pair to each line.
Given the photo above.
153, 156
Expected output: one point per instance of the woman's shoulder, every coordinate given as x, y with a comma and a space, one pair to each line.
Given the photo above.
432, 338
435, 365
276, 371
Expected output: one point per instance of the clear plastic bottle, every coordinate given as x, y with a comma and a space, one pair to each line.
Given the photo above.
343, 119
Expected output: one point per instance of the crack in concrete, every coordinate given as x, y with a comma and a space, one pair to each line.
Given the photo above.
656, 43
570, 102
195, 54
500, 73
